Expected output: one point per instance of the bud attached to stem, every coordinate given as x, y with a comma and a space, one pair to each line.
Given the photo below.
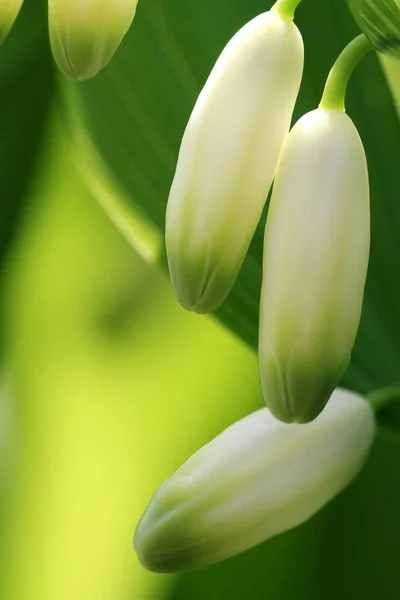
228, 158
9, 10
315, 264
257, 479
85, 34
316, 254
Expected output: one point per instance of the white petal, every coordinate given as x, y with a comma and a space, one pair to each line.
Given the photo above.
228, 158
315, 264
257, 479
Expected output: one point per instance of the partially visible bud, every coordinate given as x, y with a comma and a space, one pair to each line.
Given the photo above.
257, 479
315, 264
380, 22
9, 10
228, 157
85, 34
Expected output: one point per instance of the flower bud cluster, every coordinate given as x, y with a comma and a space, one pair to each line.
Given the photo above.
317, 235
275, 468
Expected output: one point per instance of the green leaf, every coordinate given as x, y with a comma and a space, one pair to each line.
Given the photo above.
26, 86
137, 109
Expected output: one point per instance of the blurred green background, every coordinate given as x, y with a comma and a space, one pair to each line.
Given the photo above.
107, 386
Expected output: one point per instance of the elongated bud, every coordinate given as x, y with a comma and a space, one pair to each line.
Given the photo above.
315, 264
228, 157
9, 10
380, 21
85, 34
255, 480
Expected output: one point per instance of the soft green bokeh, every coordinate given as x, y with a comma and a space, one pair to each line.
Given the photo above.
114, 386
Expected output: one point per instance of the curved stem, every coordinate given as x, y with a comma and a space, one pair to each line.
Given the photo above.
286, 8
335, 89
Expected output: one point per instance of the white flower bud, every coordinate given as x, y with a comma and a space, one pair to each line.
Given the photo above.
85, 34
228, 157
257, 479
315, 264
9, 10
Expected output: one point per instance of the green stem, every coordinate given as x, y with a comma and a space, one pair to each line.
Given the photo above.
286, 8
335, 89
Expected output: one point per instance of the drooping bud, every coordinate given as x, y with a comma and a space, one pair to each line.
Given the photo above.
316, 254
9, 10
257, 479
380, 22
228, 158
85, 34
